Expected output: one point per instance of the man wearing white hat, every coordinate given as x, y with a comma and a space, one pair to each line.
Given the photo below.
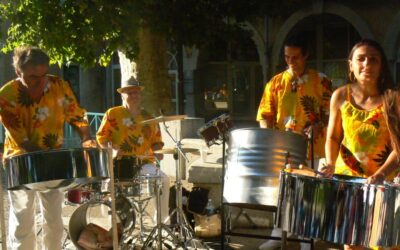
121, 127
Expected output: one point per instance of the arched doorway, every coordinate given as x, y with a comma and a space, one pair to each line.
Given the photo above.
330, 39
229, 79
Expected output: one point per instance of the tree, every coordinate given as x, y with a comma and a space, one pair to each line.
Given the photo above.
88, 32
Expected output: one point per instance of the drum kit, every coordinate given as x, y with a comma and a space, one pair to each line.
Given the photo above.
83, 173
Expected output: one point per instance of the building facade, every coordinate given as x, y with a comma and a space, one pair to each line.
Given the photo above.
229, 76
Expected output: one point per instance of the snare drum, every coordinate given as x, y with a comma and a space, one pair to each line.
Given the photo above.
78, 196
343, 210
143, 187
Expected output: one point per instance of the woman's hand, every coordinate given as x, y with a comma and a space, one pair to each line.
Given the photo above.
326, 170
376, 178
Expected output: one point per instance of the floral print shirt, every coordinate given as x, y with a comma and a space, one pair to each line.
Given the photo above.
126, 134
366, 140
295, 104
39, 122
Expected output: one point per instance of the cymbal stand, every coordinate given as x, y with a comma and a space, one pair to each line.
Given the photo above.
156, 234
185, 232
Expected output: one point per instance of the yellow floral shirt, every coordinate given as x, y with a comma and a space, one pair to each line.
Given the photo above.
366, 140
40, 123
126, 134
295, 105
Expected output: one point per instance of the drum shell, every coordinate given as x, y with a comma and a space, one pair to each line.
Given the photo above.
343, 210
126, 169
255, 158
57, 169
79, 219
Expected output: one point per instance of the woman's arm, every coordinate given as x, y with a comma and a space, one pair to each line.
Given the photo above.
385, 170
334, 132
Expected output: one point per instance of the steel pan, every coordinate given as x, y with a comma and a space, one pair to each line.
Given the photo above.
342, 210
255, 158
62, 169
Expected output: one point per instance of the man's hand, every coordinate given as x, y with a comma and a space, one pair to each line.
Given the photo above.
90, 143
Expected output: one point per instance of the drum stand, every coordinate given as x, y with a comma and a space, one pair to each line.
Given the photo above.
185, 232
140, 206
157, 233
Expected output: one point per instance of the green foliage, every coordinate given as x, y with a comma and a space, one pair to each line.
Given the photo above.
78, 31
87, 32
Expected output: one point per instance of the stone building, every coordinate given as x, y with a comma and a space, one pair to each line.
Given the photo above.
229, 77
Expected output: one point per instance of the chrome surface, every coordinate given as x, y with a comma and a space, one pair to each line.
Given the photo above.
343, 210
255, 158
57, 169
99, 213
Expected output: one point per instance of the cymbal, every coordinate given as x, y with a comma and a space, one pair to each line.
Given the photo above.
174, 150
163, 118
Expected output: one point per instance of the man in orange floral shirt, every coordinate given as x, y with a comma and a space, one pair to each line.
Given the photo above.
33, 110
296, 100
122, 129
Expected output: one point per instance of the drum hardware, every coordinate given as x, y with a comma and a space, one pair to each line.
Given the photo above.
185, 234
156, 235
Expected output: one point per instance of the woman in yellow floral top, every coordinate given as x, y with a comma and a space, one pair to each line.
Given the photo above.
362, 138
121, 128
33, 110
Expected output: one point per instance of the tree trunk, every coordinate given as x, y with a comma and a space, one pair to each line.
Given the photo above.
153, 72
150, 69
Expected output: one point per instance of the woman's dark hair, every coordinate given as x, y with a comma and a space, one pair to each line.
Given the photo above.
385, 78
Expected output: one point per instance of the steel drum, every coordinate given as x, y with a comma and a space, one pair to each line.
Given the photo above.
255, 158
63, 169
342, 210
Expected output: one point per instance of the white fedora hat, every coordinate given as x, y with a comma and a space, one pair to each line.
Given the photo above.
130, 83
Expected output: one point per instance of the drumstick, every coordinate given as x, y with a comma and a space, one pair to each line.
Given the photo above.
113, 215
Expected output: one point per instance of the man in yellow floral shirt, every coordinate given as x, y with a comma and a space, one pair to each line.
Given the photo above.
121, 128
296, 100
33, 110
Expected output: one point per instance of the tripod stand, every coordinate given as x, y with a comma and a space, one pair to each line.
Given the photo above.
185, 233
156, 234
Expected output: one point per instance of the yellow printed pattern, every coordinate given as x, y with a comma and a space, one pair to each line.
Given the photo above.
40, 124
295, 105
126, 133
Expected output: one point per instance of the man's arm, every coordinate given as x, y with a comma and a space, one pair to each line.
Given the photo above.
86, 140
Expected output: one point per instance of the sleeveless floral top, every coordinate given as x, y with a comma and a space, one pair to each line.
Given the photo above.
366, 141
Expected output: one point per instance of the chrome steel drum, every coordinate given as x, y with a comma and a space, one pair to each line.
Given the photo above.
255, 158
63, 169
343, 210
99, 212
